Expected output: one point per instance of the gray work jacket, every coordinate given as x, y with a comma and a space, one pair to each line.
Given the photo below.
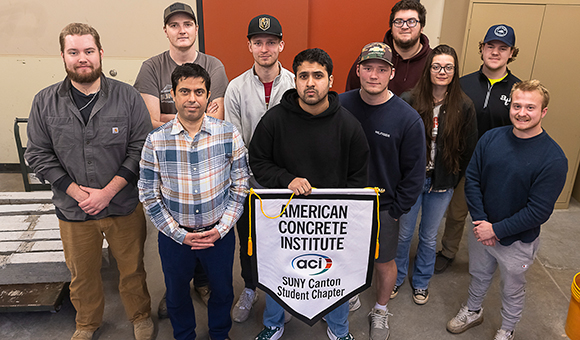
59, 142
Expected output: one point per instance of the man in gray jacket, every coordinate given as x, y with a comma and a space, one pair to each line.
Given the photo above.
247, 98
85, 136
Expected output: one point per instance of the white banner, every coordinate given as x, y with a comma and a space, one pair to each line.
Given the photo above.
319, 252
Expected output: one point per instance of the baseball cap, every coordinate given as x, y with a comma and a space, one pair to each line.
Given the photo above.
501, 32
264, 24
178, 7
377, 50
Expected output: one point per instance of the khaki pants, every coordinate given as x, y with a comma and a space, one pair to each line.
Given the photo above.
82, 242
454, 222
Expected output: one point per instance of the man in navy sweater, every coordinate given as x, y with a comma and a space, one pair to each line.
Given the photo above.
396, 137
512, 183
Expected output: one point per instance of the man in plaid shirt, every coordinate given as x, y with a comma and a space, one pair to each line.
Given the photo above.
193, 180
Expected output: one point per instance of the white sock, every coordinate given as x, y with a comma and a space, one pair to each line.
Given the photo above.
381, 307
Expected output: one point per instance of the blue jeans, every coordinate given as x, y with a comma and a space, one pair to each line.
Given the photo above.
337, 319
433, 206
178, 262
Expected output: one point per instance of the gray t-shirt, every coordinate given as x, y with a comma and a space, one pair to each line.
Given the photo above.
154, 78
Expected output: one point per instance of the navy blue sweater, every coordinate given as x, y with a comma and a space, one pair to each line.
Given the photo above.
513, 183
396, 137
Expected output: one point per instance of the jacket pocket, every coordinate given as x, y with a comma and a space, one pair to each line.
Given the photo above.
62, 132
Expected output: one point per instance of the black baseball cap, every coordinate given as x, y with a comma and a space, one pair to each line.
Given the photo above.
178, 7
265, 24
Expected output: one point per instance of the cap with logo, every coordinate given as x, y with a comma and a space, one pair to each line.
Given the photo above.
377, 50
503, 33
265, 24
178, 7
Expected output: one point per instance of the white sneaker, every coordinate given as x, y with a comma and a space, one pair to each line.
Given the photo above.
353, 303
241, 310
379, 324
464, 320
502, 334
270, 333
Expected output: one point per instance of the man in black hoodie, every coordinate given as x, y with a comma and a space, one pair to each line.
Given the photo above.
309, 140
410, 47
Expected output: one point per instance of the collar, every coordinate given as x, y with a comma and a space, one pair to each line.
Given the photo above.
177, 128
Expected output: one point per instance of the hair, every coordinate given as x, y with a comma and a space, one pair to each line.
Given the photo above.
454, 130
515, 51
313, 55
413, 5
77, 28
190, 70
533, 85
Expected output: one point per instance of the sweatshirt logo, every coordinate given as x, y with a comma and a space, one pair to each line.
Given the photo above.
506, 100
384, 134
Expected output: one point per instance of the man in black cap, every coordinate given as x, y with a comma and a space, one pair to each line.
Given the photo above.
247, 98
154, 78
489, 89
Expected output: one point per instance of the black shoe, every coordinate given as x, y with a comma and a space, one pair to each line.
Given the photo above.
441, 263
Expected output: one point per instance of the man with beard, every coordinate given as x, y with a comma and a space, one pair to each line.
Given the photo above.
409, 45
489, 89
85, 136
154, 78
247, 99
396, 136
309, 140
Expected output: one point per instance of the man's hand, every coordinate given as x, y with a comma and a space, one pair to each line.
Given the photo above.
202, 240
97, 201
77, 193
212, 108
300, 186
484, 233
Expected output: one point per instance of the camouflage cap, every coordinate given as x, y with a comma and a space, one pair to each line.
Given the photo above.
178, 7
377, 50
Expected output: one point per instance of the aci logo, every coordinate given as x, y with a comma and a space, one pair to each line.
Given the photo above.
312, 264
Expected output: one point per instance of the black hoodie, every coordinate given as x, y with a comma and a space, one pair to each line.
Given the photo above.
330, 149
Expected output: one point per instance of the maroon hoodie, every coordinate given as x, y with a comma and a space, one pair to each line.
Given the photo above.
407, 72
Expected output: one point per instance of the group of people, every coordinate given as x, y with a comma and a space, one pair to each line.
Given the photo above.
185, 146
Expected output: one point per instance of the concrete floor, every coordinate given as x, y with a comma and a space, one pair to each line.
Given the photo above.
544, 317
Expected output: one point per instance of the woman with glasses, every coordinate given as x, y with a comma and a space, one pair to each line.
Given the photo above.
451, 131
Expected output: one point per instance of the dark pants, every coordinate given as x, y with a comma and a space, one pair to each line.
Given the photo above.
245, 261
179, 262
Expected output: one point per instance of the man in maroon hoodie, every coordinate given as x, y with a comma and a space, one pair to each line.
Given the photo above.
410, 47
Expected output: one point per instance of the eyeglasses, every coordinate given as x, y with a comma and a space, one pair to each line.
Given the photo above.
449, 68
410, 22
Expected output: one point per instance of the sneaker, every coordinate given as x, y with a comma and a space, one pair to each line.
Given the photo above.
502, 334
464, 320
331, 335
287, 317
270, 333
353, 303
162, 309
82, 335
204, 293
144, 329
420, 296
379, 324
442, 262
395, 291
242, 309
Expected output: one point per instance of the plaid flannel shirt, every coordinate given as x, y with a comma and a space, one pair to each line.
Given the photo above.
193, 182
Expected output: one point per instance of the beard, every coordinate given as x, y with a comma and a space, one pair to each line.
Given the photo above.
406, 44
85, 77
